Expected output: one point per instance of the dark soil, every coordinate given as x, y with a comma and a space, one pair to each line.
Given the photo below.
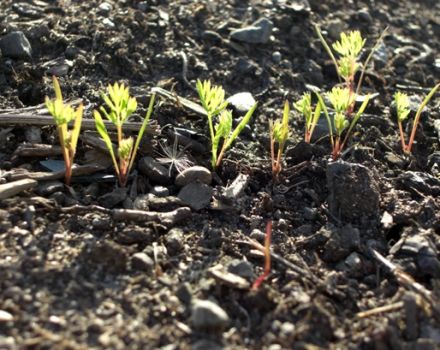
77, 272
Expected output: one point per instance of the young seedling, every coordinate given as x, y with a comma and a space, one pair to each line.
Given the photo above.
213, 101
304, 106
341, 100
402, 108
121, 106
279, 132
267, 262
63, 114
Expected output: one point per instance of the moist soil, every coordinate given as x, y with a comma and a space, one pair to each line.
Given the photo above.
79, 269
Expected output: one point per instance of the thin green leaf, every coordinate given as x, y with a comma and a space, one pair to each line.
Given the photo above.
76, 129
240, 127
102, 130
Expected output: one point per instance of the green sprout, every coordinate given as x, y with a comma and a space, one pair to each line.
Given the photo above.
304, 106
212, 98
402, 109
349, 48
121, 107
341, 100
279, 132
63, 114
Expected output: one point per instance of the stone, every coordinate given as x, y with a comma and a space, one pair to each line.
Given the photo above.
33, 134
276, 57
207, 315
104, 8
5, 316
242, 268
242, 101
196, 195
335, 28
160, 191
151, 202
110, 200
193, 174
49, 187
15, 45
142, 262
257, 33
154, 170
353, 191
174, 241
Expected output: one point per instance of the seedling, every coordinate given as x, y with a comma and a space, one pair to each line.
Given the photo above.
213, 101
304, 106
341, 100
121, 107
402, 109
279, 132
267, 259
63, 114
349, 48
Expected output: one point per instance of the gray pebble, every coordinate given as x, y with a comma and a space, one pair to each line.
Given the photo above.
276, 57
242, 101
207, 315
174, 241
194, 174
105, 8
242, 268
160, 191
49, 187
109, 200
257, 33
15, 45
142, 262
196, 195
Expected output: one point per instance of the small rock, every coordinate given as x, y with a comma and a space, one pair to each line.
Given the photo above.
7, 343
49, 187
5, 316
258, 235
160, 191
196, 195
143, 6
27, 10
154, 170
108, 23
104, 8
335, 28
364, 16
110, 200
174, 241
353, 262
193, 174
420, 181
257, 33
276, 57
133, 236
15, 45
236, 188
242, 101
340, 243
142, 262
242, 268
393, 159
205, 344
353, 191
207, 315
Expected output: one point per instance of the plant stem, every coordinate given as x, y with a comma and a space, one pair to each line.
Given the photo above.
267, 258
402, 136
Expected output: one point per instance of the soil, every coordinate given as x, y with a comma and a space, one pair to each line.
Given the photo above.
79, 270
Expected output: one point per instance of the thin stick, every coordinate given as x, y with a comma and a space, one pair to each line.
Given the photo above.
267, 262
380, 309
367, 61
328, 49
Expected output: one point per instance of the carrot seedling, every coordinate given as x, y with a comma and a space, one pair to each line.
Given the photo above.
402, 109
267, 260
279, 132
212, 98
341, 100
121, 107
304, 106
63, 114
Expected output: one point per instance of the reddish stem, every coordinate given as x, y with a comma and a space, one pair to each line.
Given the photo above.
267, 262
402, 137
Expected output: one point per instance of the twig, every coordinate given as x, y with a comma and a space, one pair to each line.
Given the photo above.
12, 188
408, 281
185, 70
380, 309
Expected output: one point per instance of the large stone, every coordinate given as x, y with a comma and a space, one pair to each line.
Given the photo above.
353, 191
207, 315
194, 174
15, 45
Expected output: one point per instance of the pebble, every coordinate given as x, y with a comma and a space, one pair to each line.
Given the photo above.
257, 33
422, 182
242, 101
160, 191
340, 244
196, 195
15, 45
335, 28
194, 174
365, 16
133, 236
142, 262
276, 57
27, 10
151, 202
242, 268
110, 200
33, 134
174, 241
154, 170
5, 316
207, 315
353, 262
108, 23
104, 8
48, 187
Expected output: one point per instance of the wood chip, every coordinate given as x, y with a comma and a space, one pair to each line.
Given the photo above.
12, 188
